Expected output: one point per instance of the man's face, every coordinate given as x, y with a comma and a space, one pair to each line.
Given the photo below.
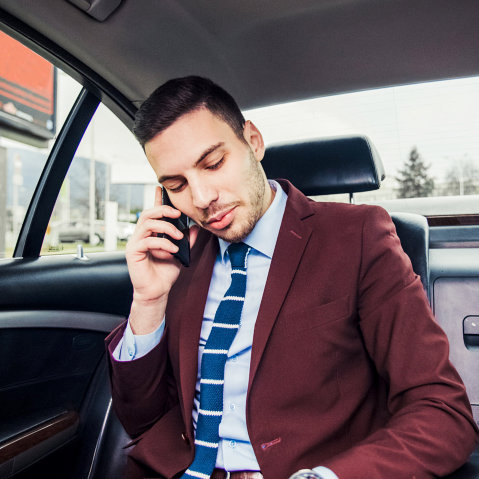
211, 175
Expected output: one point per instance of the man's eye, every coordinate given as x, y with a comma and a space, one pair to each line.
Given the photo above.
216, 165
176, 189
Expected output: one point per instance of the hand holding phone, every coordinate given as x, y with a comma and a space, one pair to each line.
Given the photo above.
153, 271
182, 223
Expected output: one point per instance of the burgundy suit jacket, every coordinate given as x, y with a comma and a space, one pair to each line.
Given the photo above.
349, 369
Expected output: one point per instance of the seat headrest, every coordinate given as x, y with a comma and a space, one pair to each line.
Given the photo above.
327, 166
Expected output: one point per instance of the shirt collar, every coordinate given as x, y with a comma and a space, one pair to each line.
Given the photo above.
265, 233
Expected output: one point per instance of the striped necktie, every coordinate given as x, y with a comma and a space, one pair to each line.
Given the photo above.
223, 331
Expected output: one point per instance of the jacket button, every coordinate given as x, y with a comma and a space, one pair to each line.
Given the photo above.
185, 438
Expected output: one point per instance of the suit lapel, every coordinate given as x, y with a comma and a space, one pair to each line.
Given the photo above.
292, 239
195, 291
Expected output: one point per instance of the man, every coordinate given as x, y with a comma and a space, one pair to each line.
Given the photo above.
335, 366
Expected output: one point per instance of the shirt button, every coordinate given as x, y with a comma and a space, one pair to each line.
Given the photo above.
232, 406
232, 444
130, 352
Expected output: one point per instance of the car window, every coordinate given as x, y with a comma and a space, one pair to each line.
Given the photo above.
35, 98
107, 185
426, 135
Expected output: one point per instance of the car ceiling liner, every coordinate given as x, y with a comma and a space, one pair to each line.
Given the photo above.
98, 9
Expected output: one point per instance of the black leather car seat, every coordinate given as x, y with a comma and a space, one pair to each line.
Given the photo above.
413, 231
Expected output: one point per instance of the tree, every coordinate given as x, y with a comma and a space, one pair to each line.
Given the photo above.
462, 178
414, 180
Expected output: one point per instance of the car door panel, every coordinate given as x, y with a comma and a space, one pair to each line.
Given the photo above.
66, 282
455, 279
54, 315
36, 441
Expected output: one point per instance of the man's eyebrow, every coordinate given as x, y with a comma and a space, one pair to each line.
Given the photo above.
207, 152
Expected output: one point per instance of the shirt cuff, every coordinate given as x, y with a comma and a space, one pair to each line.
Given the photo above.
325, 472
134, 346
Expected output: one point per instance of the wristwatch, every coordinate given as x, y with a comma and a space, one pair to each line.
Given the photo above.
306, 474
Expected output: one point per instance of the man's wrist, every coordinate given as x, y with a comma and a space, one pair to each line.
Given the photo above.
133, 346
146, 316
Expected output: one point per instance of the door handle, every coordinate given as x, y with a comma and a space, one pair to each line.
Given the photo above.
471, 332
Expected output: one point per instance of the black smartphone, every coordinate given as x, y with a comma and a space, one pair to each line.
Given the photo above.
182, 223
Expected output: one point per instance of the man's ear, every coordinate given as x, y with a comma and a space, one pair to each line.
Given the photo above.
254, 138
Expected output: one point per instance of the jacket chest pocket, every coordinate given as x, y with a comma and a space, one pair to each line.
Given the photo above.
304, 318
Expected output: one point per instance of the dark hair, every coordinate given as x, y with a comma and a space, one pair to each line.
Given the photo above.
180, 96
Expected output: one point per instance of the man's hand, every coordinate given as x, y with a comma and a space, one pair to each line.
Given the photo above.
152, 267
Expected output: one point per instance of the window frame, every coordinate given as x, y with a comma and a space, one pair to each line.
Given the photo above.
95, 90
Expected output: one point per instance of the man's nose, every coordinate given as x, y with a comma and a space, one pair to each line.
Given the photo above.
202, 195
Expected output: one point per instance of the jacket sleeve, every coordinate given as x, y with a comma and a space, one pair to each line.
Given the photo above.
431, 431
143, 390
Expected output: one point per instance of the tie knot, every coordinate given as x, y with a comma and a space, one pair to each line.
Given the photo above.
238, 252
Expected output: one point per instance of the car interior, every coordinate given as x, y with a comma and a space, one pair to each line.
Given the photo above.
347, 165
56, 417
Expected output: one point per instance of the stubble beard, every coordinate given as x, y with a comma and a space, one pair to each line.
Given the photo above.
256, 193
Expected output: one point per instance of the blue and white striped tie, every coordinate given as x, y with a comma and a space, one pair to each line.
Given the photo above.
225, 326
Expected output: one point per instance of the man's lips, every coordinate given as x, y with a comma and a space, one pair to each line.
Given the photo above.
221, 220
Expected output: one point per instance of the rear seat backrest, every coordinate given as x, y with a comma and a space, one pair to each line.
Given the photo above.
413, 231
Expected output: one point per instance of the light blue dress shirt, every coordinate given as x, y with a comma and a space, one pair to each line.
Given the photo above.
235, 451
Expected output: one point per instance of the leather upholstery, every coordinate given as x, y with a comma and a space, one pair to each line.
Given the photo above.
327, 166
112, 451
413, 231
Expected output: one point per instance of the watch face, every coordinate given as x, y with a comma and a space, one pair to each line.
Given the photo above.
306, 474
